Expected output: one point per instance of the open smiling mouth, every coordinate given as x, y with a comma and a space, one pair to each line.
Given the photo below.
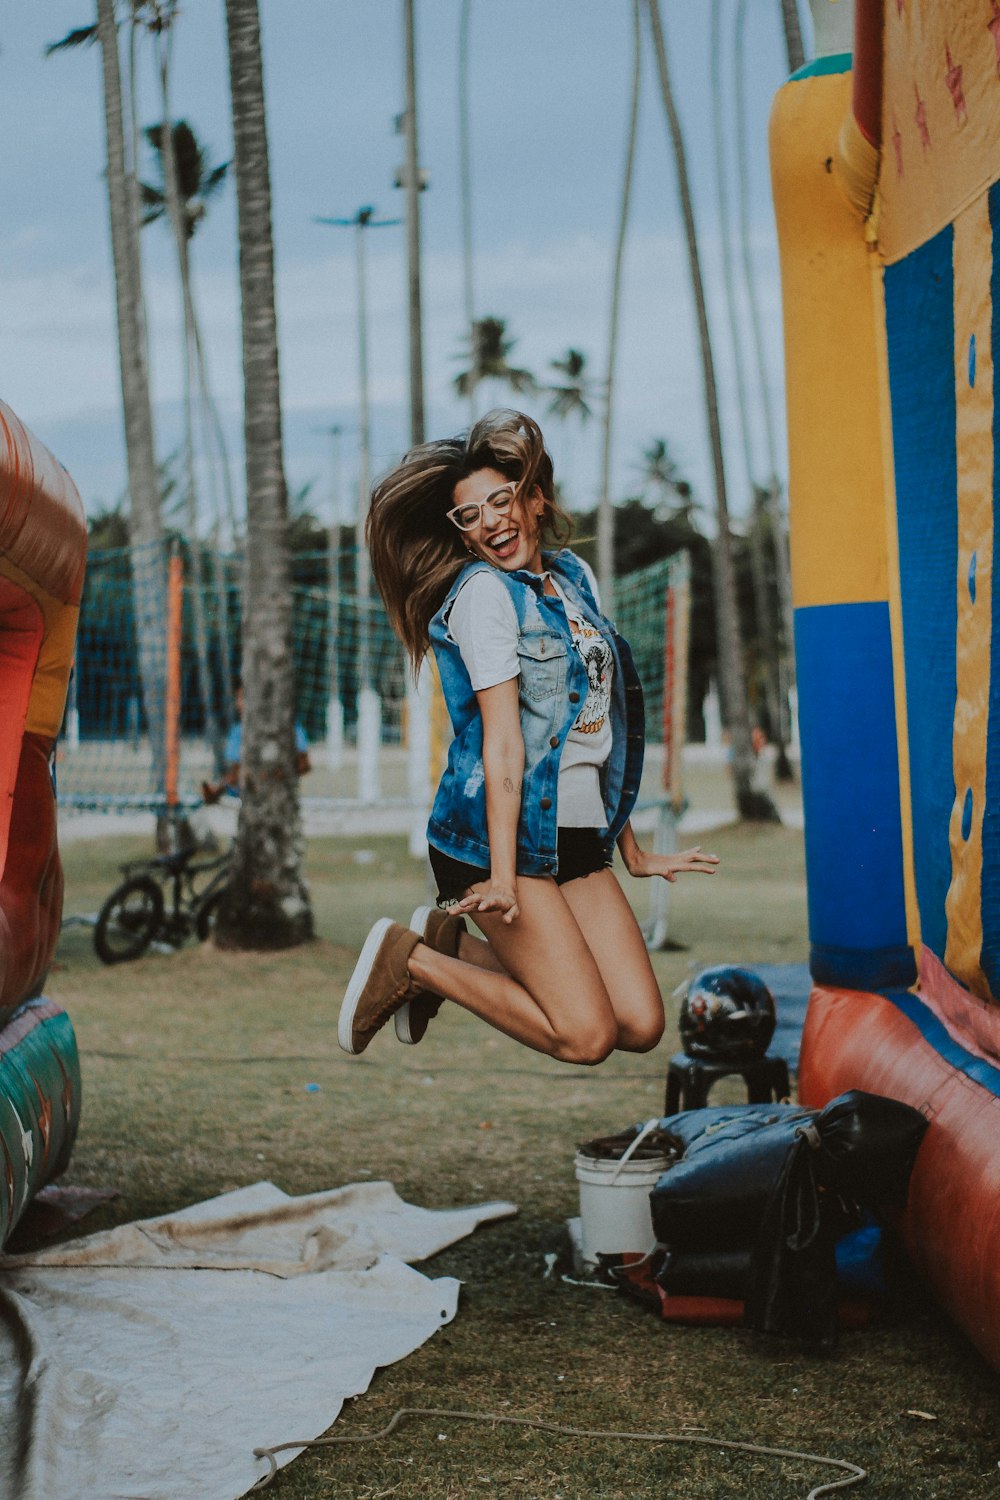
504, 544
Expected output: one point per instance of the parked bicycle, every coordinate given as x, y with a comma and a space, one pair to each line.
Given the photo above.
164, 899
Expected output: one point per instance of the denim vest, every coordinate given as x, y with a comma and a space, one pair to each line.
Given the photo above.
551, 687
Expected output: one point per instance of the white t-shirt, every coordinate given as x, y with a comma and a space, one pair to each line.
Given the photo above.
483, 623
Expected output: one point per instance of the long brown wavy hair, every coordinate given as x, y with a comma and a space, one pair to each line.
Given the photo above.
416, 551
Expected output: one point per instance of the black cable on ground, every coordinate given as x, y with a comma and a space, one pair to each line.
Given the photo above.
855, 1474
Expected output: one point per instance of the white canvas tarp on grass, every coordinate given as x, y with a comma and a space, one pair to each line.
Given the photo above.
147, 1362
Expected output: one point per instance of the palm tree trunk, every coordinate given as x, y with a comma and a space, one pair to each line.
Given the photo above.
145, 525
793, 35
785, 646
175, 213
605, 510
766, 633
750, 803
465, 177
215, 438
413, 231
266, 904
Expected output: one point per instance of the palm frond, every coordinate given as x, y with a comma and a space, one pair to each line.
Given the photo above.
81, 36
569, 400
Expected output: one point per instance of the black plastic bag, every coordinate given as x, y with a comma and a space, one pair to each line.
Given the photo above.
714, 1198
856, 1154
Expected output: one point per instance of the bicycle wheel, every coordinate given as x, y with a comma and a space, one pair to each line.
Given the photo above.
129, 920
207, 913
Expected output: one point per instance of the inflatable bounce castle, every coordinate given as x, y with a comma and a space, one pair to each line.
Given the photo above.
885, 164
43, 542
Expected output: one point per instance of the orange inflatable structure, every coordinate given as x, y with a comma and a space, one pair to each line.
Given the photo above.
42, 559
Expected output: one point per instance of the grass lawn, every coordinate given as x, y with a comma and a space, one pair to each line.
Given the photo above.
195, 1069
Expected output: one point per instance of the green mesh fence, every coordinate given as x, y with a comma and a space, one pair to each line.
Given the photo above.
105, 757
641, 617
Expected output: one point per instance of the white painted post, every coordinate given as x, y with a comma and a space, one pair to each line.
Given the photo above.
713, 718
794, 748
369, 744
334, 748
418, 758
664, 842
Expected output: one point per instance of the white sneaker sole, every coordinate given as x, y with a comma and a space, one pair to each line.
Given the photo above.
417, 923
357, 982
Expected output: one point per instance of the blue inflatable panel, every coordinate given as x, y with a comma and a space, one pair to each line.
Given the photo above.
936, 1035
921, 338
850, 792
875, 969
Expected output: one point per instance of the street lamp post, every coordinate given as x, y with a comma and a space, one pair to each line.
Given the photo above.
369, 732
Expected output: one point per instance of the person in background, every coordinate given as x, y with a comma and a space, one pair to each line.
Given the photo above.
232, 754
542, 773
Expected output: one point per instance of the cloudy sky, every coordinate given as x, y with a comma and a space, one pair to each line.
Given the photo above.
549, 81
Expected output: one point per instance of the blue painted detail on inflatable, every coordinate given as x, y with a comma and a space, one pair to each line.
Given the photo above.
872, 969
921, 339
835, 62
944, 1044
972, 359
990, 877
972, 576
850, 793
967, 813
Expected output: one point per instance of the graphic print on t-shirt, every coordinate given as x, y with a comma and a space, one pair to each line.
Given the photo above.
596, 656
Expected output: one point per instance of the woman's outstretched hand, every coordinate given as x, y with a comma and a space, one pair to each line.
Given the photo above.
686, 862
498, 896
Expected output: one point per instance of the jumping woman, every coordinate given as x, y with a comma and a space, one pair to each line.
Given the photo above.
542, 772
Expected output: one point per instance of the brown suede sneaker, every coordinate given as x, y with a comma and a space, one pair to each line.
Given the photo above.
440, 931
379, 985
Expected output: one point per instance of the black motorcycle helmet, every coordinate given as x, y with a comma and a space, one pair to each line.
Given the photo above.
727, 1015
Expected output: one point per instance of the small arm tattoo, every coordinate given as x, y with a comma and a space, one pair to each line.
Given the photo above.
511, 786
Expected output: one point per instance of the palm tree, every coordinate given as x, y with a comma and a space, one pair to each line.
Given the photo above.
571, 399
662, 474
465, 174
750, 803
605, 516
187, 184
195, 591
488, 355
758, 534
266, 904
145, 523
197, 181
773, 521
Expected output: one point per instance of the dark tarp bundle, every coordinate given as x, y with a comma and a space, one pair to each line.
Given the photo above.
857, 1154
755, 1206
713, 1199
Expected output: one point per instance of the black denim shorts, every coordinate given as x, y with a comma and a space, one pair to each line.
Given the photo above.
582, 851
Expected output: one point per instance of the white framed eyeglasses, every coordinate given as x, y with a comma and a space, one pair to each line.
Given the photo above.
468, 516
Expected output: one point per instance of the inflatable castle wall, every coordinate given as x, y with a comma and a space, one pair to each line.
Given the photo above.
43, 545
885, 165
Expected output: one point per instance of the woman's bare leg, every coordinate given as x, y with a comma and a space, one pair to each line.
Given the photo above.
614, 937
548, 993
476, 950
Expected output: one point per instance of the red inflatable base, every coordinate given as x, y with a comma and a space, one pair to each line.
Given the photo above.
952, 1221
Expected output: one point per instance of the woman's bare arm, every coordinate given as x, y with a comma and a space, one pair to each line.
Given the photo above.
503, 765
641, 864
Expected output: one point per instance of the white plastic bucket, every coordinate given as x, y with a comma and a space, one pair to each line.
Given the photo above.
615, 1216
